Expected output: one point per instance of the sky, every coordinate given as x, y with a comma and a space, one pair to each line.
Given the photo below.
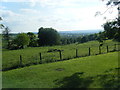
62, 15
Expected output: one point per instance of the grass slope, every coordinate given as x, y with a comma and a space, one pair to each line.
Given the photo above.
74, 73
31, 55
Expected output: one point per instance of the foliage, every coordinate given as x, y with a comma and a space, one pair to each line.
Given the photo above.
101, 37
22, 40
6, 36
109, 29
48, 36
68, 40
1, 25
79, 39
112, 30
84, 39
33, 39
113, 2
87, 38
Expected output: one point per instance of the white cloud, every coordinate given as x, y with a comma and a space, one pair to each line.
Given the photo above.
61, 15
6, 13
2, 7
53, 3
29, 11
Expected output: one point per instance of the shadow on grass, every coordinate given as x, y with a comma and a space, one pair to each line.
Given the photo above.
74, 81
109, 79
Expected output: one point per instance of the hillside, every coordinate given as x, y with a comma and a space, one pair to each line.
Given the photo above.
87, 72
31, 55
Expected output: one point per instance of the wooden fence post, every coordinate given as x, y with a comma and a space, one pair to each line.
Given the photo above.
40, 58
76, 52
89, 51
107, 49
20, 60
60, 55
115, 47
99, 49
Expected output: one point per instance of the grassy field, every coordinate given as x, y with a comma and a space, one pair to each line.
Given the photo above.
30, 55
99, 71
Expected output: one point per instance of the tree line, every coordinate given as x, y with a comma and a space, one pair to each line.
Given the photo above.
44, 37
50, 37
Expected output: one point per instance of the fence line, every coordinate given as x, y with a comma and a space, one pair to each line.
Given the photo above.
40, 58
76, 52
60, 55
89, 51
20, 61
99, 49
107, 49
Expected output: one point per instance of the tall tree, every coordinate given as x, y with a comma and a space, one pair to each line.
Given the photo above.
110, 29
48, 36
115, 3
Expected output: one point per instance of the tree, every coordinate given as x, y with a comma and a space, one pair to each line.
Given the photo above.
101, 38
110, 29
33, 39
116, 28
92, 37
79, 39
110, 3
63, 40
1, 25
22, 40
6, 36
84, 39
115, 3
48, 36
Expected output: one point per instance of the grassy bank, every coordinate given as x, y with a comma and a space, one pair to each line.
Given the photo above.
87, 72
30, 55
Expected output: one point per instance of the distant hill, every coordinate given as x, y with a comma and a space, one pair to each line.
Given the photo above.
77, 33
81, 31
72, 32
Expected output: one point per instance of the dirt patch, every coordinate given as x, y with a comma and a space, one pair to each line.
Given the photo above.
59, 69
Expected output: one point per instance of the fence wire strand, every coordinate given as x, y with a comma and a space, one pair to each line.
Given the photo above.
48, 57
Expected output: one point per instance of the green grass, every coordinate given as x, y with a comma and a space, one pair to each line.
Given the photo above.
87, 72
31, 55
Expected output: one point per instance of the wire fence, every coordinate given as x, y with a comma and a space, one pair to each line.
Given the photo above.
56, 55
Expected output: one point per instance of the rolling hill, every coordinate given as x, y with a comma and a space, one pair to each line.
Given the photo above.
87, 72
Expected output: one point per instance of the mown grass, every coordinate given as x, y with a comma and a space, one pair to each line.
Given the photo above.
31, 55
88, 72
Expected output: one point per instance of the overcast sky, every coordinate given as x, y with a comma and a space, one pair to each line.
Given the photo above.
62, 15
